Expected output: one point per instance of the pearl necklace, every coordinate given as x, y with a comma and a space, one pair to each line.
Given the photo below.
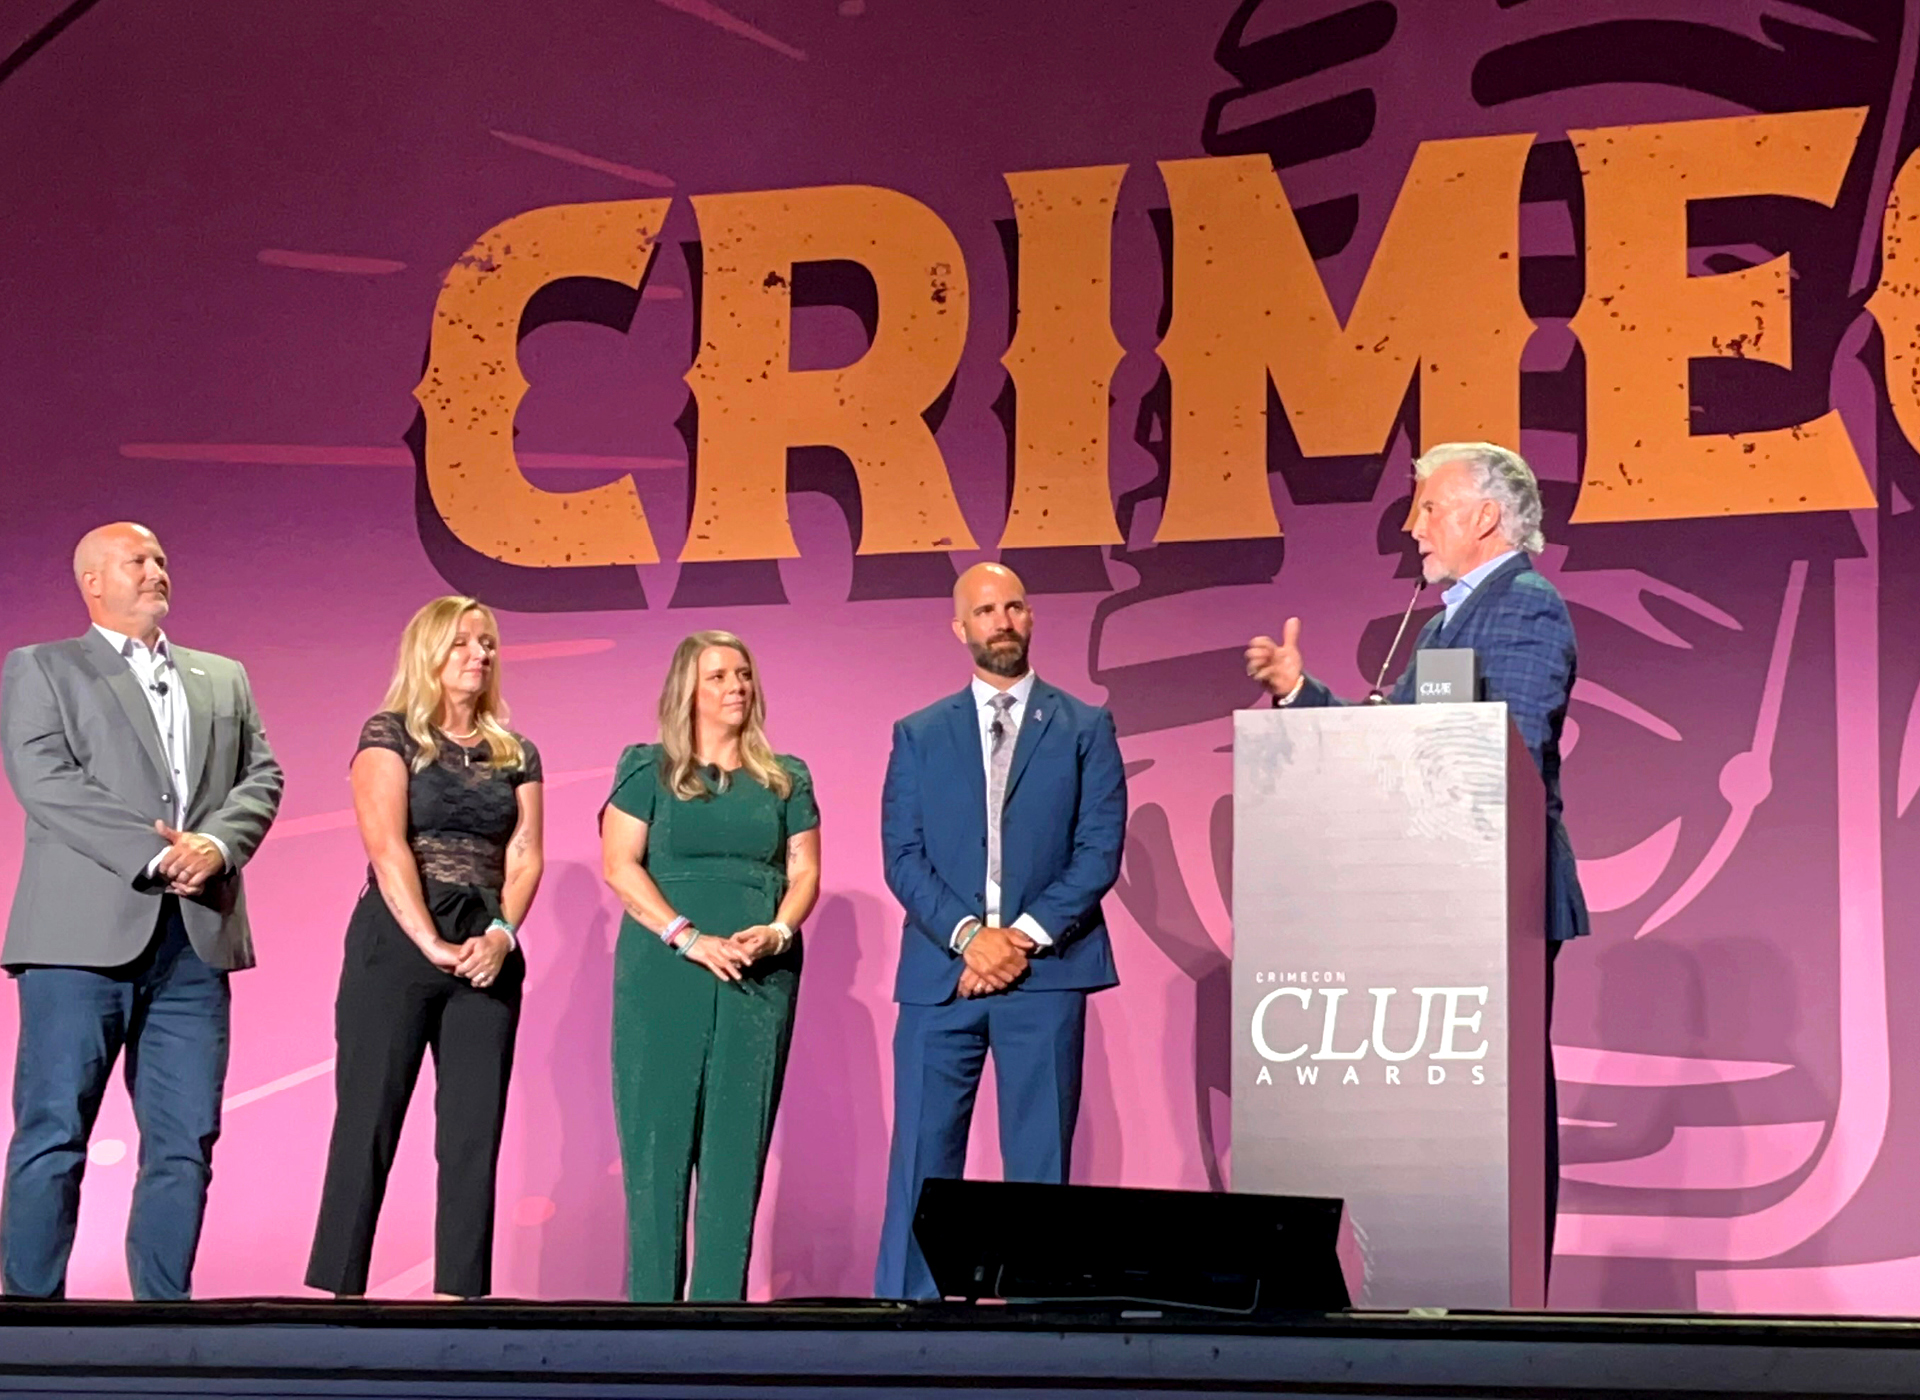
466, 755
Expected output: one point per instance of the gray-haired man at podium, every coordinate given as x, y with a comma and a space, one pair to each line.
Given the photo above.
1476, 519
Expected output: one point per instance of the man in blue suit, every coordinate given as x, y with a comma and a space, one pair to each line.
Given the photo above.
1003, 817
1477, 522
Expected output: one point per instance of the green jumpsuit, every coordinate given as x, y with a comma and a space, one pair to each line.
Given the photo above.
697, 1062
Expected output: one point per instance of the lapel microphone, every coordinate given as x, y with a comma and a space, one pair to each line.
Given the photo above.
158, 688
1378, 696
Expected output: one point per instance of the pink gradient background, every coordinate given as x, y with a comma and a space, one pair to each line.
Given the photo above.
225, 231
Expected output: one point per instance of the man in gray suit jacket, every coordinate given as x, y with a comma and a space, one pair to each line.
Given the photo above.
147, 784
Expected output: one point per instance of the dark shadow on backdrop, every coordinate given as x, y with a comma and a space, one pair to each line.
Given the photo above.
1154, 892
582, 1248
822, 1224
43, 36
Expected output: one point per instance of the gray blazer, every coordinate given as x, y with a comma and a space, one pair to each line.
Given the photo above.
85, 759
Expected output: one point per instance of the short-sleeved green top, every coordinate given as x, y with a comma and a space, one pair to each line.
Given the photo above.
720, 859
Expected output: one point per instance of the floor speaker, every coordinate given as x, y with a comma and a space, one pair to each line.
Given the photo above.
1222, 1252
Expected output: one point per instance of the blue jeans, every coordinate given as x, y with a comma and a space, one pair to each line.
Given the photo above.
169, 1011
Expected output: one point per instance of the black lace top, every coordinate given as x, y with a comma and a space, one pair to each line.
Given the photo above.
460, 812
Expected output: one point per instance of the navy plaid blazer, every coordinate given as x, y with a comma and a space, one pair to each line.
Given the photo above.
1522, 639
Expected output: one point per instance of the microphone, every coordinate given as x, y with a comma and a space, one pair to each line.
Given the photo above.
1378, 696
158, 688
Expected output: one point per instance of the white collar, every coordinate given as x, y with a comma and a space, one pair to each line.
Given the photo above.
983, 693
1474, 577
129, 646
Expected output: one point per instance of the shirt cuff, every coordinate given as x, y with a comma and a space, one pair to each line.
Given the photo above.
1280, 702
1031, 928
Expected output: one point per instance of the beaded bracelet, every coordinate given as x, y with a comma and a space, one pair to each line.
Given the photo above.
685, 946
786, 936
509, 928
672, 930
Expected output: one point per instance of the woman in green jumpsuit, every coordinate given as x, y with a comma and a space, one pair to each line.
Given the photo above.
712, 842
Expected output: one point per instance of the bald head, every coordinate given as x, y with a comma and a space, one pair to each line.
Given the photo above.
991, 616
982, 579
122, 573
98, 543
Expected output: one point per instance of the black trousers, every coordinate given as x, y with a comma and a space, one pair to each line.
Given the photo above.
393, 1007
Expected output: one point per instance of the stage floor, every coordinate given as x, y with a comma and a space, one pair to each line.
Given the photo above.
832, 1348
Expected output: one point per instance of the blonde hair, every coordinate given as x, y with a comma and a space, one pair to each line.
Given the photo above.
677, 722
416, 695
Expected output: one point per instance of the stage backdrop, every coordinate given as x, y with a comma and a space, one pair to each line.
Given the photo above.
634, 317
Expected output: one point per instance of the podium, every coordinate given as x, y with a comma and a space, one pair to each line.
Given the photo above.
1389, 990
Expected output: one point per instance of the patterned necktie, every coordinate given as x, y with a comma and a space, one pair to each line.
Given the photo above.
1000, 734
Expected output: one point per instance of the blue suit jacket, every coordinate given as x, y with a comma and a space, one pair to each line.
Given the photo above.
1062, 829
1522, 639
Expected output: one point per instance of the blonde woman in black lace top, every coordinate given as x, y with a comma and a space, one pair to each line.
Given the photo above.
449, 806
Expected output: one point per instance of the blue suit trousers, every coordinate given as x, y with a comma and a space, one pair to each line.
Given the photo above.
1036, 1039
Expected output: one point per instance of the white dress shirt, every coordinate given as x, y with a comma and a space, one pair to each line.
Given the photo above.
159, 681
983, 697
1461, 590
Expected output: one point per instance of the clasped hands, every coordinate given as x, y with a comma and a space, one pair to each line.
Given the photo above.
477, 959
729, 958
189, 861
996, 958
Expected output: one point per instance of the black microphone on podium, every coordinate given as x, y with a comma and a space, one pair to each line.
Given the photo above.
1378, 696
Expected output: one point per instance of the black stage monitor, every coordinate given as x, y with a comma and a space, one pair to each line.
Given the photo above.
1024, 1242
